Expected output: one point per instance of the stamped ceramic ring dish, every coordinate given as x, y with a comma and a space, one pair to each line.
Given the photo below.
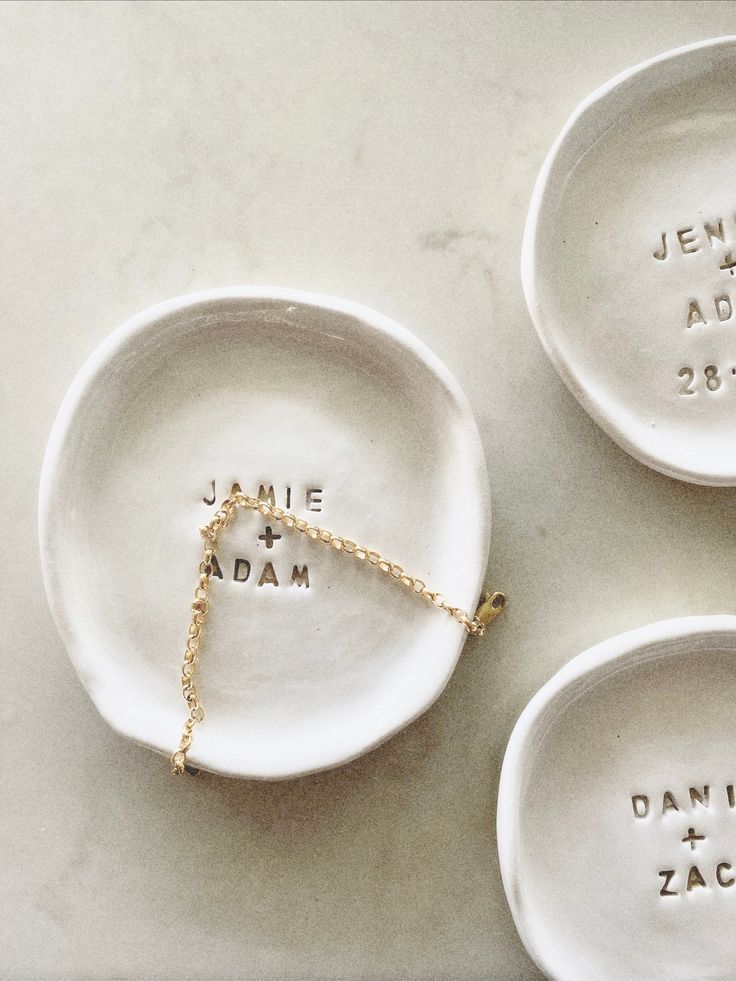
617, 809
629, 260
304, 406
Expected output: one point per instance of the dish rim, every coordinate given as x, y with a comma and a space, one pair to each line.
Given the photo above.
122, 720
545, 325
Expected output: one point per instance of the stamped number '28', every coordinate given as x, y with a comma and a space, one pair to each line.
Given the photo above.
689, 385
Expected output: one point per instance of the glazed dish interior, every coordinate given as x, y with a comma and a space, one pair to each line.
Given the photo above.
634, 253
626, 843
309, 657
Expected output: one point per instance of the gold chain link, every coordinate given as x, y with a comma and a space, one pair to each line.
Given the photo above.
492, 605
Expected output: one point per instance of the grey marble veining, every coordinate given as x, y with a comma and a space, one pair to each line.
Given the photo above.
385, 153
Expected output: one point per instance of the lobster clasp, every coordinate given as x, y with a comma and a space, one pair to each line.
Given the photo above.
492, 605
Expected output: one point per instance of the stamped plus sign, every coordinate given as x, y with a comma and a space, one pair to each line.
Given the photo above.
268, 537
729, 263
690, 838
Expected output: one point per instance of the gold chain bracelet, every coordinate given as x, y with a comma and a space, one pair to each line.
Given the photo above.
492, 605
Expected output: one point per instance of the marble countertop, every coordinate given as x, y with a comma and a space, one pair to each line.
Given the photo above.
383, 152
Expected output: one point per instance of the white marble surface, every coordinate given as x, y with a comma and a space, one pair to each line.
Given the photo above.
385, 153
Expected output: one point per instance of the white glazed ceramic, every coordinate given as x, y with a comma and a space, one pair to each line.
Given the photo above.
277, 388
629, 258
617, 809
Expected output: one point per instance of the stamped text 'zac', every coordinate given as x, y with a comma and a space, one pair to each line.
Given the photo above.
689, 812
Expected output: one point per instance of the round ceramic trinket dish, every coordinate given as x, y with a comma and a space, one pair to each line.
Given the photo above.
617, 809
321, 407
629, 260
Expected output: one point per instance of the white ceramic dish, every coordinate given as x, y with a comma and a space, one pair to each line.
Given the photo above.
629, 258
277, 388
617, 809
